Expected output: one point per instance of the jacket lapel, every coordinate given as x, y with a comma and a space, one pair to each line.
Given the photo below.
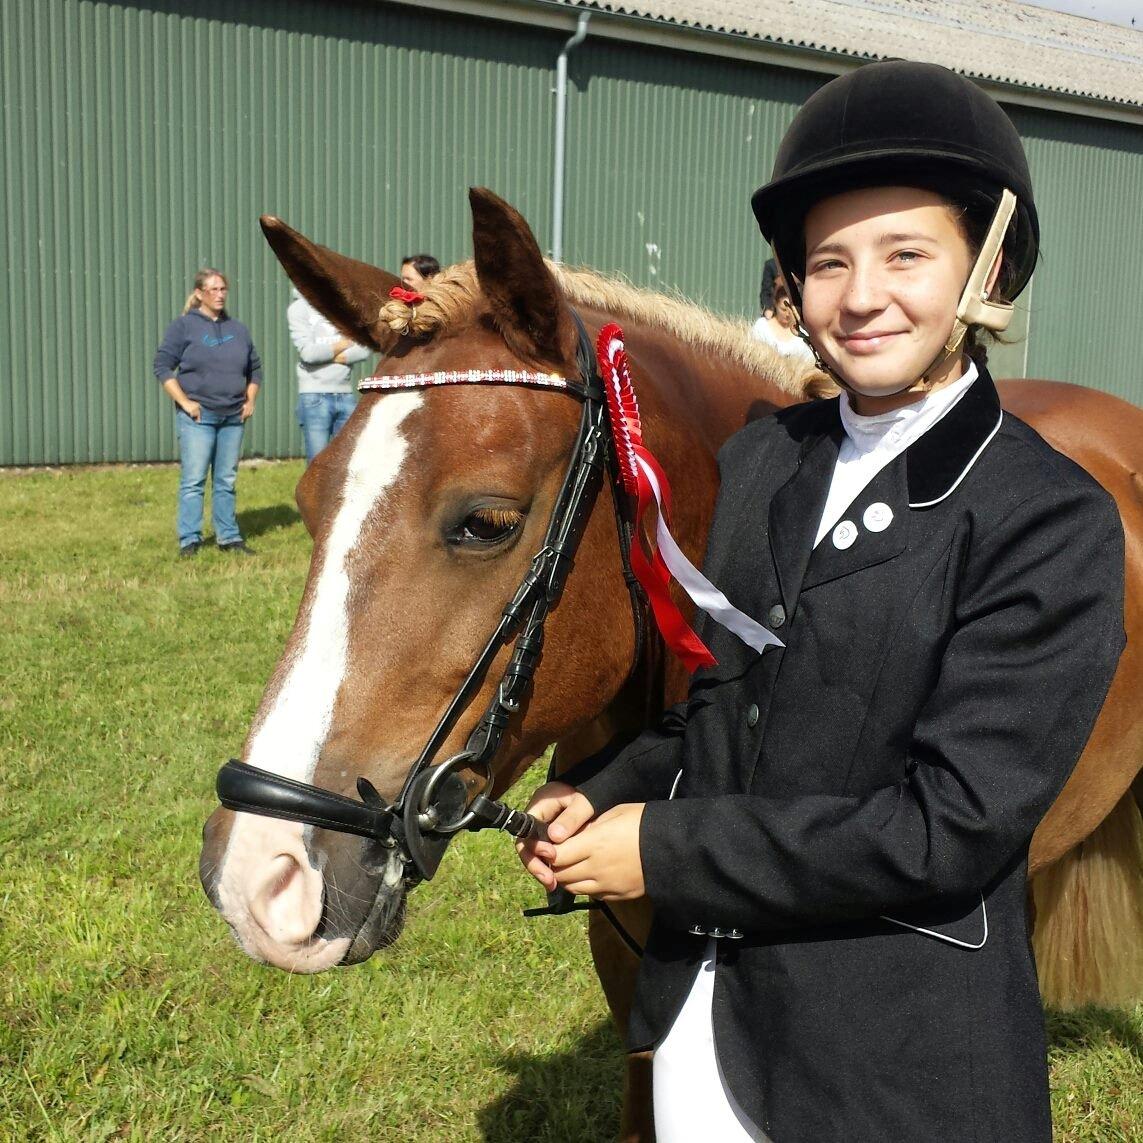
796, 509
927, 472
873, 529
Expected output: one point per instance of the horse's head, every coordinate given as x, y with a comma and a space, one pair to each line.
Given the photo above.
425, 513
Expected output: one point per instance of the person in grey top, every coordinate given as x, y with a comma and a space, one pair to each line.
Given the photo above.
208, 366
325, 393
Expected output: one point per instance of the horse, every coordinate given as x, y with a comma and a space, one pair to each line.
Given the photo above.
425, 512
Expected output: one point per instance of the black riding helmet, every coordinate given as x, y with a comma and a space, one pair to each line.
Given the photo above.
907, 124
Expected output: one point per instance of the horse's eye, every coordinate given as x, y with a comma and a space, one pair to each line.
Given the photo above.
487, 526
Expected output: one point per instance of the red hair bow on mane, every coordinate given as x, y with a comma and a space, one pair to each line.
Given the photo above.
409, 297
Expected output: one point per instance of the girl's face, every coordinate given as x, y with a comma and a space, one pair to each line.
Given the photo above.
885, 268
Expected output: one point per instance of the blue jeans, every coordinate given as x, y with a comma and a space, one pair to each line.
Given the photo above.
212, 443
321, 416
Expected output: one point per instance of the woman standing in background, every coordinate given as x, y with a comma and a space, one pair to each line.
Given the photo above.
779, 330
208, 366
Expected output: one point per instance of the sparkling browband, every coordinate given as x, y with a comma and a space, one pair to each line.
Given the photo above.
470, 377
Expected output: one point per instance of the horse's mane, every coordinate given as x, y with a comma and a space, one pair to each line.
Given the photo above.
453, 297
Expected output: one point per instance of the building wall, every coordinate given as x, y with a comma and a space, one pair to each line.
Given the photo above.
142, 140
1086, 300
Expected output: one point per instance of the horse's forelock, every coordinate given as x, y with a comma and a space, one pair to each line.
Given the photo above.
451, 300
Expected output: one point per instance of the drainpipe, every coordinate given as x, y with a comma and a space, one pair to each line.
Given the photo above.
561, 135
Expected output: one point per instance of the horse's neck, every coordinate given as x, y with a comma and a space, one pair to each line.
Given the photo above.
697, 393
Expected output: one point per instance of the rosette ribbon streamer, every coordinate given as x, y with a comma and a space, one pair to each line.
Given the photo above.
645, 481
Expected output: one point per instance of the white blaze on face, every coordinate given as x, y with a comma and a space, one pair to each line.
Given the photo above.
291, 736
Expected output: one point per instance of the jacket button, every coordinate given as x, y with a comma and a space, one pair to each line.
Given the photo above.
752, 714
777, 615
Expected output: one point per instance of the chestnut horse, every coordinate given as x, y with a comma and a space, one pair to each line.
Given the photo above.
425, 512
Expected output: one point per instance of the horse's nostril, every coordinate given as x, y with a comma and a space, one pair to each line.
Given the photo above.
288, 907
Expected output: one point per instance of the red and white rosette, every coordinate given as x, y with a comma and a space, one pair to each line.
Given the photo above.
643, 478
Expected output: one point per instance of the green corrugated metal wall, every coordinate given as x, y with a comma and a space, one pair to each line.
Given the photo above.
1087, 297
664, 153
143, 140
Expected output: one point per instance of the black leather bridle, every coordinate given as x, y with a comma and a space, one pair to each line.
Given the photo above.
434, 802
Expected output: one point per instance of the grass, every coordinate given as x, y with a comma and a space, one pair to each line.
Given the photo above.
126, 1012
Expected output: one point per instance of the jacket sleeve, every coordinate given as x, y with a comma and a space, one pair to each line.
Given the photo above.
315, 339
253, 365
1038, 634
636, 770
355, 353
169, 355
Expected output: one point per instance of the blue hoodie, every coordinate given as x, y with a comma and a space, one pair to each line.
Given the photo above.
214, 360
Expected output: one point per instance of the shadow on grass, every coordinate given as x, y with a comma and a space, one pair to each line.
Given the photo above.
1093, 1027
572, 1097
259, 521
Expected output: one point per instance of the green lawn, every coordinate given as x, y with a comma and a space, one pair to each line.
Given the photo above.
126, 1011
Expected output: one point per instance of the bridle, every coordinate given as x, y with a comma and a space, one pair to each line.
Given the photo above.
435, 801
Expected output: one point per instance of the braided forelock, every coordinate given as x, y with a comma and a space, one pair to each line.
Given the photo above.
451, 298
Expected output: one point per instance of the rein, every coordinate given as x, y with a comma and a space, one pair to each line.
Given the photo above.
435, 802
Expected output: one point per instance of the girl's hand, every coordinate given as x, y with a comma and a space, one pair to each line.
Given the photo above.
603, 860
192, 409
565, 811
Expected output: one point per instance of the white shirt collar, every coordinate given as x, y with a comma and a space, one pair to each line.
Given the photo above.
898, 428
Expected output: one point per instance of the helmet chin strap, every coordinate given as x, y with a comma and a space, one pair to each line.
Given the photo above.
974, 307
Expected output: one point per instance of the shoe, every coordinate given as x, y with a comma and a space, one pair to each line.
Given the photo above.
238, 548
189, 551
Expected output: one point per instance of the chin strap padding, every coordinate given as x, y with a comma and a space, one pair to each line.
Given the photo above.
974, 307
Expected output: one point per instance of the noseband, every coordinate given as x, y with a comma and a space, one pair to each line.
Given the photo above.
436, 800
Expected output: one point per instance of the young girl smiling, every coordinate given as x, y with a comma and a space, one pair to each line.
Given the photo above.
834, 834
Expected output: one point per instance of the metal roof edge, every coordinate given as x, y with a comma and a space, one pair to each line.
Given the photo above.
562, 16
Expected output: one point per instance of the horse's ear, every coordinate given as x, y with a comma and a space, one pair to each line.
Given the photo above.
527, 303
347, 292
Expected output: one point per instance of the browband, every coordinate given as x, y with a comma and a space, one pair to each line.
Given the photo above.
526, 377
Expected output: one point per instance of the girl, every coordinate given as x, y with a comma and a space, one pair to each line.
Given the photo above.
834, 835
